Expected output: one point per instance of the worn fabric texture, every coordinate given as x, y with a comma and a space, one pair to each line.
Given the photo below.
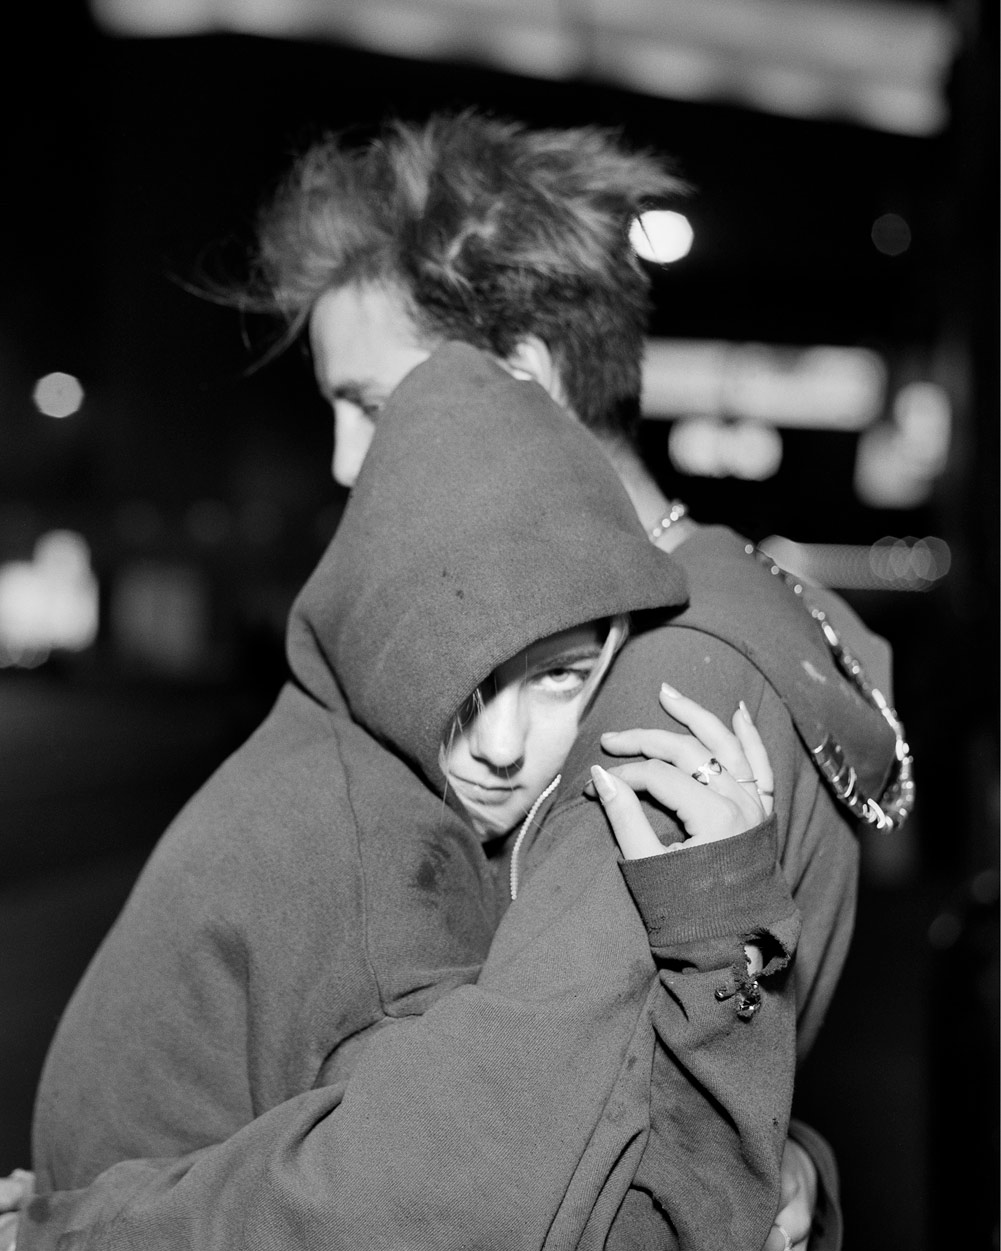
297, 1011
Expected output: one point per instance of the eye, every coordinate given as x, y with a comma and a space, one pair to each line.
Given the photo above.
351, 404
564, 680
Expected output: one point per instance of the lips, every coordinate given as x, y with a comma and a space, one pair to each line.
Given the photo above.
480, 793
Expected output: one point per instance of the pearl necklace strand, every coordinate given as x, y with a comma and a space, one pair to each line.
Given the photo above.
674, 514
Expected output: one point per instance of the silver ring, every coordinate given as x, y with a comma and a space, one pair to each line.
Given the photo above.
785, 1235
706, 770
742, 780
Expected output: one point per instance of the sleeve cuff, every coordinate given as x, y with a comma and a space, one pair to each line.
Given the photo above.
712, 890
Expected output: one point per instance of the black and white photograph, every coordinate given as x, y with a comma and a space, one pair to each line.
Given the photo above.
480, 480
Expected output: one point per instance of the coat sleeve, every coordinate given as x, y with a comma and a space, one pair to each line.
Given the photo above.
724, 1046
513, 1112
817, 855
461, 1128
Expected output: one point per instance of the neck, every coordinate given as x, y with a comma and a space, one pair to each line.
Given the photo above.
648, 499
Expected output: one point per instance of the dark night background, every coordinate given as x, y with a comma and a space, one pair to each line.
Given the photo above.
133, 167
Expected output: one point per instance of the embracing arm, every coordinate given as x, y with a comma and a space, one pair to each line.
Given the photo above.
493, 1120
817, 851
722, 928
461, 1128
512, 1114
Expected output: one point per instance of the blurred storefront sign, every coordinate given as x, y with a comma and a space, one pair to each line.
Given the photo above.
727, 403
823, 388
873, 62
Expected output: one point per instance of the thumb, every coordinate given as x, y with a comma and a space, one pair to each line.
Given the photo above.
633, 832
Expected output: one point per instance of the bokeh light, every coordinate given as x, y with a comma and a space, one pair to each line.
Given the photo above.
889, 564
661, 236
704, 447
58, 395
891, 234
49, 602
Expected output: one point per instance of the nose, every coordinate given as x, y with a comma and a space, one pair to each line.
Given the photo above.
353, 433
497, 737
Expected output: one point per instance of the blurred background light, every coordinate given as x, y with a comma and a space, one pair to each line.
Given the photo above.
58, 395
817, 387
661, 236
876, 63
898, 462
890, 564
48, 603
160, 617
891, 234
705, 448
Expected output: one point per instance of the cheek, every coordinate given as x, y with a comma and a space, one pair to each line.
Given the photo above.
452, 754
557, 735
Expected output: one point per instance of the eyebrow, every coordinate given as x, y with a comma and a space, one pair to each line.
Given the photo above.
584, 651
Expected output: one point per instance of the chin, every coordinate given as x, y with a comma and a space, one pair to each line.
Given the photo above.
495, 827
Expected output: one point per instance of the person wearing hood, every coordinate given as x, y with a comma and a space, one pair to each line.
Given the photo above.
510, 1112
516, 241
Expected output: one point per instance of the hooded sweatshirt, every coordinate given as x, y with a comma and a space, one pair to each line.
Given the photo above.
515, 1112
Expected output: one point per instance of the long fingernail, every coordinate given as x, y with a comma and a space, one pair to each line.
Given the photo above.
603, 783
610, 734
744, 713
669, 691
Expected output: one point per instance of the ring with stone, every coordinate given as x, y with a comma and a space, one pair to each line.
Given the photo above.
706, 770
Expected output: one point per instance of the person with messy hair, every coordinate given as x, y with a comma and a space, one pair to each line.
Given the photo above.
515, 241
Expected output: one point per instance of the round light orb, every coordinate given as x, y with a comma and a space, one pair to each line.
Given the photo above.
58, 395
661, 236
891, 234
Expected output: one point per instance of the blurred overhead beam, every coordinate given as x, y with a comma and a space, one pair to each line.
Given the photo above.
878, 63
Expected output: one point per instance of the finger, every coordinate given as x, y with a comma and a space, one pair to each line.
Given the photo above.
779, 1240
682, 750
13, 1191
654, 744
706, 727
706, 813
751, 743
798, 1193
632, 831
8, 1231
757, 755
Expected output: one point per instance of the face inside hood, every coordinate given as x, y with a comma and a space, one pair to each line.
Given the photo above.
484, 518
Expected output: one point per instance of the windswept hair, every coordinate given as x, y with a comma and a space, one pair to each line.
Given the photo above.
491, 230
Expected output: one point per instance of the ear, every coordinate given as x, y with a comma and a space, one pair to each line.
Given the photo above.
532, 359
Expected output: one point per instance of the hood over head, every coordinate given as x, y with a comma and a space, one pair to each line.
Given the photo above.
484, 518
